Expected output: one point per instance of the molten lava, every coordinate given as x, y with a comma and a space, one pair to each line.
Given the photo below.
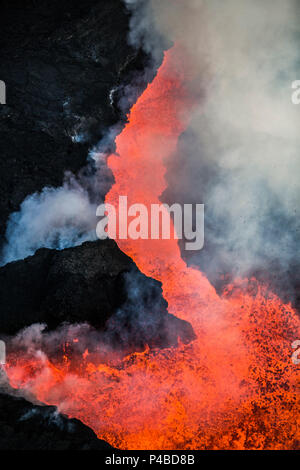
235, 385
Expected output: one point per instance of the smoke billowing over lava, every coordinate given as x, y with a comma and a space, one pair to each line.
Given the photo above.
234, 386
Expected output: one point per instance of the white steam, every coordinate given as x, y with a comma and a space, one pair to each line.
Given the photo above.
56, 218
240, 156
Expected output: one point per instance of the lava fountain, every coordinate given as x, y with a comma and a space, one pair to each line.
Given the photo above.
234, 386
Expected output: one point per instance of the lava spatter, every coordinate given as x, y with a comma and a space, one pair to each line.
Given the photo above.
234, 386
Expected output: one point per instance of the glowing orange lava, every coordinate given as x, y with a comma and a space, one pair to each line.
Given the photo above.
235, 385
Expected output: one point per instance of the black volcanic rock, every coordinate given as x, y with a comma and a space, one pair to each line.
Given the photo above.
59, 60
24, 426
94, 283
66, 65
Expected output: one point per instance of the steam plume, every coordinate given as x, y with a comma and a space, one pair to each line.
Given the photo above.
240, 156
59, 217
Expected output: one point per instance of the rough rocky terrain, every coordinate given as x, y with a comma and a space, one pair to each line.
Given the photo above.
94, 283
65, 65
25, 426
60, 61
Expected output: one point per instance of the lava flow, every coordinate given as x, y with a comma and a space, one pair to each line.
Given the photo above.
234, 387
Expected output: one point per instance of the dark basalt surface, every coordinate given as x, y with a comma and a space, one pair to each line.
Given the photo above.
24, 426
94, 283
59, 60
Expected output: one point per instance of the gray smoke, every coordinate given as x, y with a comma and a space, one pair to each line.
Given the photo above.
56, 218
141, 320
240, 155
61, 217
